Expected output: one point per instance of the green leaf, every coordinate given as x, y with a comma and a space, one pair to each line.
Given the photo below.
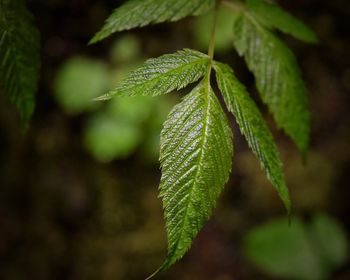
19, 56
163, 74
277, 77
79, 80
196, 154
329, 240
138, 13
223, 36
300, 251
108, 138
284, 251
253, 127
125, 49
272, 16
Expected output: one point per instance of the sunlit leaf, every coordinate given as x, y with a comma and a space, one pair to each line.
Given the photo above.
137, 13
253, 127
163, 75
196, 153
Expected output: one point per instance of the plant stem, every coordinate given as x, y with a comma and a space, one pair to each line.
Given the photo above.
211, 47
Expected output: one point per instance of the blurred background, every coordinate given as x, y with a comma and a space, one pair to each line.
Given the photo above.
78, 192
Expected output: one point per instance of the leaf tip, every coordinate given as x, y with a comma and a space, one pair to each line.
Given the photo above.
303, 150
286, 201
154, 273
288, 207
93, 40
167, 263
312, 39
304, 157
99, 36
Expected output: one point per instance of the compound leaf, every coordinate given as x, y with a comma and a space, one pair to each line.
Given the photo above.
19, 56
138, 13
196, 154
272, 16
253, 127
277, 77
163, 74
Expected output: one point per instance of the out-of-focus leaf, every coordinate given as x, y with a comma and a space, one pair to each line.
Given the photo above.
107, 138
223, 40
79, 81
284, 251
299, 251
160, 110
330, 240
125, 49
135, 109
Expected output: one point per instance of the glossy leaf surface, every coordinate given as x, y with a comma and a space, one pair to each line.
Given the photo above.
138, 13
277, 75
163, 74
253, 127
196, 154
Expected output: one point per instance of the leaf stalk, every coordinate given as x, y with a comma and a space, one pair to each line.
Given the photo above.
211, 47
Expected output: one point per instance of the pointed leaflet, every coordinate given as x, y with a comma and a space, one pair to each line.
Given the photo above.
277, 77
163, 74
19, 56
137, 13
272, 16
253, 127
196, 153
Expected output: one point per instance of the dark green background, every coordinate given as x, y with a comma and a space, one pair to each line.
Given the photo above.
65, 215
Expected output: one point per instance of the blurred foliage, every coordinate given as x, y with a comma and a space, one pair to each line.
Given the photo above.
108, 138
126, 124
125, 49
299, 251
223, 40
79, 80
117, 129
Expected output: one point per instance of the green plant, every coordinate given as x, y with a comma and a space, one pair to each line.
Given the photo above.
196, 142
307, 251
122, 127
19, 56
